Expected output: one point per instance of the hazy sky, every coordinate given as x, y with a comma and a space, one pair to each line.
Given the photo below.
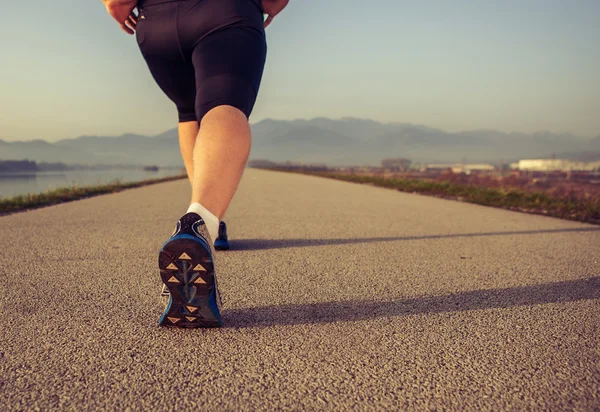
512, 65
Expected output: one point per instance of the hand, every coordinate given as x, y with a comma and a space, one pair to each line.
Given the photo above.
122, 12
273, 8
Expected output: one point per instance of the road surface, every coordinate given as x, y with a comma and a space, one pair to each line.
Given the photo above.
336, 296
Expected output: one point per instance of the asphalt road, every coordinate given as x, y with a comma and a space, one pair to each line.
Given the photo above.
336, 296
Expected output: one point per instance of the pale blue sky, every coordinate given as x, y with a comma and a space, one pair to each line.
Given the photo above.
513, 65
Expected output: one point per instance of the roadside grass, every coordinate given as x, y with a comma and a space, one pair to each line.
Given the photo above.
583, 210
68, 194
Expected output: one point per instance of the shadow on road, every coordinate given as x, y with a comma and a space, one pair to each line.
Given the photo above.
259, 244
327, 312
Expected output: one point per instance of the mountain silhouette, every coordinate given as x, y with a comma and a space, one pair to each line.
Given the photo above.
345, 141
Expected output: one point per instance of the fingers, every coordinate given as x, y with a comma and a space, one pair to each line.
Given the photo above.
272, 8
130, 24
132, 21
125, 16
269, 20
126, 28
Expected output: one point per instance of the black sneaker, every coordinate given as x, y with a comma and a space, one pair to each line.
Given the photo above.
222, 243
187, 270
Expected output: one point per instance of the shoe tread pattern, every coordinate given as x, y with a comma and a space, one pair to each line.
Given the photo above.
187, 270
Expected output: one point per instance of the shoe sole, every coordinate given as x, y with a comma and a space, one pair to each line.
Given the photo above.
221, 245
187, 270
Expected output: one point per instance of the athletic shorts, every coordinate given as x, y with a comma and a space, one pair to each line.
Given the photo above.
204, 53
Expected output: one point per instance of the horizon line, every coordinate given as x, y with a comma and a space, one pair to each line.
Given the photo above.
342, 118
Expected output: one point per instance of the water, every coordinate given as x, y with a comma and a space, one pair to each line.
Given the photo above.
13, 184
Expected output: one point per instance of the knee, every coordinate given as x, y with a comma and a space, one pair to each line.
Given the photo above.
226, 116
225, 110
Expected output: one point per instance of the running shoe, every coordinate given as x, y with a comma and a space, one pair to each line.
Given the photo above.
222, 243
187, 269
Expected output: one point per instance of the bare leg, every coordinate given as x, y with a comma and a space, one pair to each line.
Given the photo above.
220, 154
188, 132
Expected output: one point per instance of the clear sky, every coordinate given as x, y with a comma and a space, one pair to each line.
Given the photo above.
512, 65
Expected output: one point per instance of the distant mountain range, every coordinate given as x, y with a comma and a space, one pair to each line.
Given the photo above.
346, 141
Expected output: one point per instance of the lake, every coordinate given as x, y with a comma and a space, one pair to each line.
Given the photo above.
13, 184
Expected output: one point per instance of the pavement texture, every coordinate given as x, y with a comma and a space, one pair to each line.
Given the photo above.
336, 296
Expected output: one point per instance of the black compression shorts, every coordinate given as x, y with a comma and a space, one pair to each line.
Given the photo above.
204, 53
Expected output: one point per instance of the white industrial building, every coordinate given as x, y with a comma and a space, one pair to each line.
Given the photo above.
552, 165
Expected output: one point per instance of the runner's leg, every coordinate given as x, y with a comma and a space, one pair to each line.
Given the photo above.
188, 132
220, 155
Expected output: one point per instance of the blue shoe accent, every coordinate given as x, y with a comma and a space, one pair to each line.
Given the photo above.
187, 270
163, 317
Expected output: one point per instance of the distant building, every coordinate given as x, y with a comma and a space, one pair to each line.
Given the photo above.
461, 168
552, 165
439, 166
467, 169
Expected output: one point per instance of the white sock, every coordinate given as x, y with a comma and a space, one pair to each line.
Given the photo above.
211, 221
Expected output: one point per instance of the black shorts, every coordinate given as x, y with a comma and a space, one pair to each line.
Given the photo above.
204, 53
